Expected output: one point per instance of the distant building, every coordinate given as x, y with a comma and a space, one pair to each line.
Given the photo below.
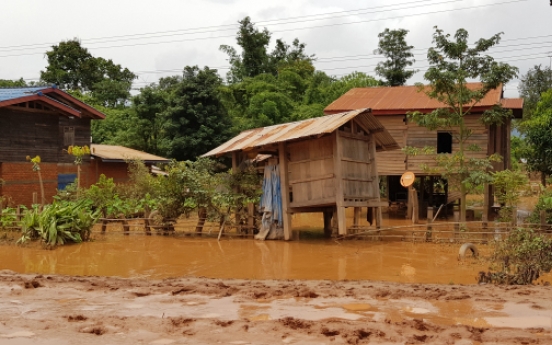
45, 121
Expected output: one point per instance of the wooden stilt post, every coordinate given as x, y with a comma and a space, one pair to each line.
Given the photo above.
284, 187
356, 217
104, 225
328, 223
235, 167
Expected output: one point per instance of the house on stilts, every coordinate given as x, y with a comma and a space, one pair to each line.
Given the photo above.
390, 105
325, 164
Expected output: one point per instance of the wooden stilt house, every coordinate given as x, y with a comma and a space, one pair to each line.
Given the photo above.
390, 105
326, 164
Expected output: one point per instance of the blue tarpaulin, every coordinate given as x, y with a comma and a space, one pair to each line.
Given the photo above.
271, 200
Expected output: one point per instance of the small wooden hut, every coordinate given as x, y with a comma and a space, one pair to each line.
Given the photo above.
326, 164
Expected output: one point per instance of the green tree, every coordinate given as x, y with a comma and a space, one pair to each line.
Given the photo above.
393, 46
452, 63
72, 67
195, 119
13, 83
538, 134
536, 81
255, 58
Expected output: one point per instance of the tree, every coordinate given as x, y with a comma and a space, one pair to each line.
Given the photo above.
255, 58
452, 63
538, 132
72, 67
532, 85
196, 120
393, 46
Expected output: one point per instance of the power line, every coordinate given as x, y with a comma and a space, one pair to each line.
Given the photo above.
295, 29
233, 26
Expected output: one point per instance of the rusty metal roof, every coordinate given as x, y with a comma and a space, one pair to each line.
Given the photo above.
399, 100
512, 103
259, 137
113, 153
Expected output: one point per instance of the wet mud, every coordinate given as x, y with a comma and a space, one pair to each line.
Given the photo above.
52, 309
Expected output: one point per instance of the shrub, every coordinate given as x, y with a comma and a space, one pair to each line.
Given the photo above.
59, 223
520, 259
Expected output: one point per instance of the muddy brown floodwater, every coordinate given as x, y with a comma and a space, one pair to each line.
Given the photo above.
157, 257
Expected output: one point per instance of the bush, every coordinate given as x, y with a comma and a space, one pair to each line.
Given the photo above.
59, 223
520, 259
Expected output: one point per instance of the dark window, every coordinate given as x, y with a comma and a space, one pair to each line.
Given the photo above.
444, 142
68, 136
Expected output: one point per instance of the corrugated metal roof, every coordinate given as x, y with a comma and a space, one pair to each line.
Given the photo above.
398, 100
53, 96
121, 154
259, 137
13, 93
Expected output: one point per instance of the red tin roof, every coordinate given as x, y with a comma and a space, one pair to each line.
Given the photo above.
403, 99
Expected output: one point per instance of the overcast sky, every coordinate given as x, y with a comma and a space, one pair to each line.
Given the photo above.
158, 38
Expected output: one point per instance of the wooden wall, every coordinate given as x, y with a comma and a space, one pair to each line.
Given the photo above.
393, 162
311, 172
490, 140
30, 132
356, 169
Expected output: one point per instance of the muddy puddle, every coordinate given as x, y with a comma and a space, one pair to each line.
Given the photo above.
156, 257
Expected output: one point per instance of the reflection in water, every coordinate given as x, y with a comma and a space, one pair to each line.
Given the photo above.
166, 256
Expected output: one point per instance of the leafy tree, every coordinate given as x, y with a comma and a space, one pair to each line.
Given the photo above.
393, 46
453, 62
195, 119
538, 133
532, 85
255, 58
13, 83
71, 66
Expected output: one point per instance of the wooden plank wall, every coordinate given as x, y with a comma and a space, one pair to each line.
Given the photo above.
392, 162
311, 170
357, 177
34, 132
82, 136
420, 137
28, 133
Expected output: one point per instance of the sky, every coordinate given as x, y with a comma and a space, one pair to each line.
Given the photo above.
158, 38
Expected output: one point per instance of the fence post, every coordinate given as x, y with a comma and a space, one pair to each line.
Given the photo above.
456, 220
542, 214
429, 221
125, 227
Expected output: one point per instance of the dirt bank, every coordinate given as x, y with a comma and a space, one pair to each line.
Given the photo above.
98, 310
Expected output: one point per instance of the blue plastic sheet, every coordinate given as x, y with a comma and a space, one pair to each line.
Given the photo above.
271, 200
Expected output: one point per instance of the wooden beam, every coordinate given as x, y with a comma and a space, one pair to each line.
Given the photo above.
284, 188
338, 171
312, 179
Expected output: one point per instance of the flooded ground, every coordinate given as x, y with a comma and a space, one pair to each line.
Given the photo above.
158, 257
54, 310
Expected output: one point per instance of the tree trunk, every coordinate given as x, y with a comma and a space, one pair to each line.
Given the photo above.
462, 203
201, 216
543, 179
78, 180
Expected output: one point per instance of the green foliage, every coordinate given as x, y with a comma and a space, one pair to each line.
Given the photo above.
533, 84
452, 63
393, 46
59, 223
255, 59
521, 258
538, 136
71, 66
509, 186
8, 217
544, 203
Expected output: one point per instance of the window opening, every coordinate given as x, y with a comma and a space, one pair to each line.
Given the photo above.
444, 142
